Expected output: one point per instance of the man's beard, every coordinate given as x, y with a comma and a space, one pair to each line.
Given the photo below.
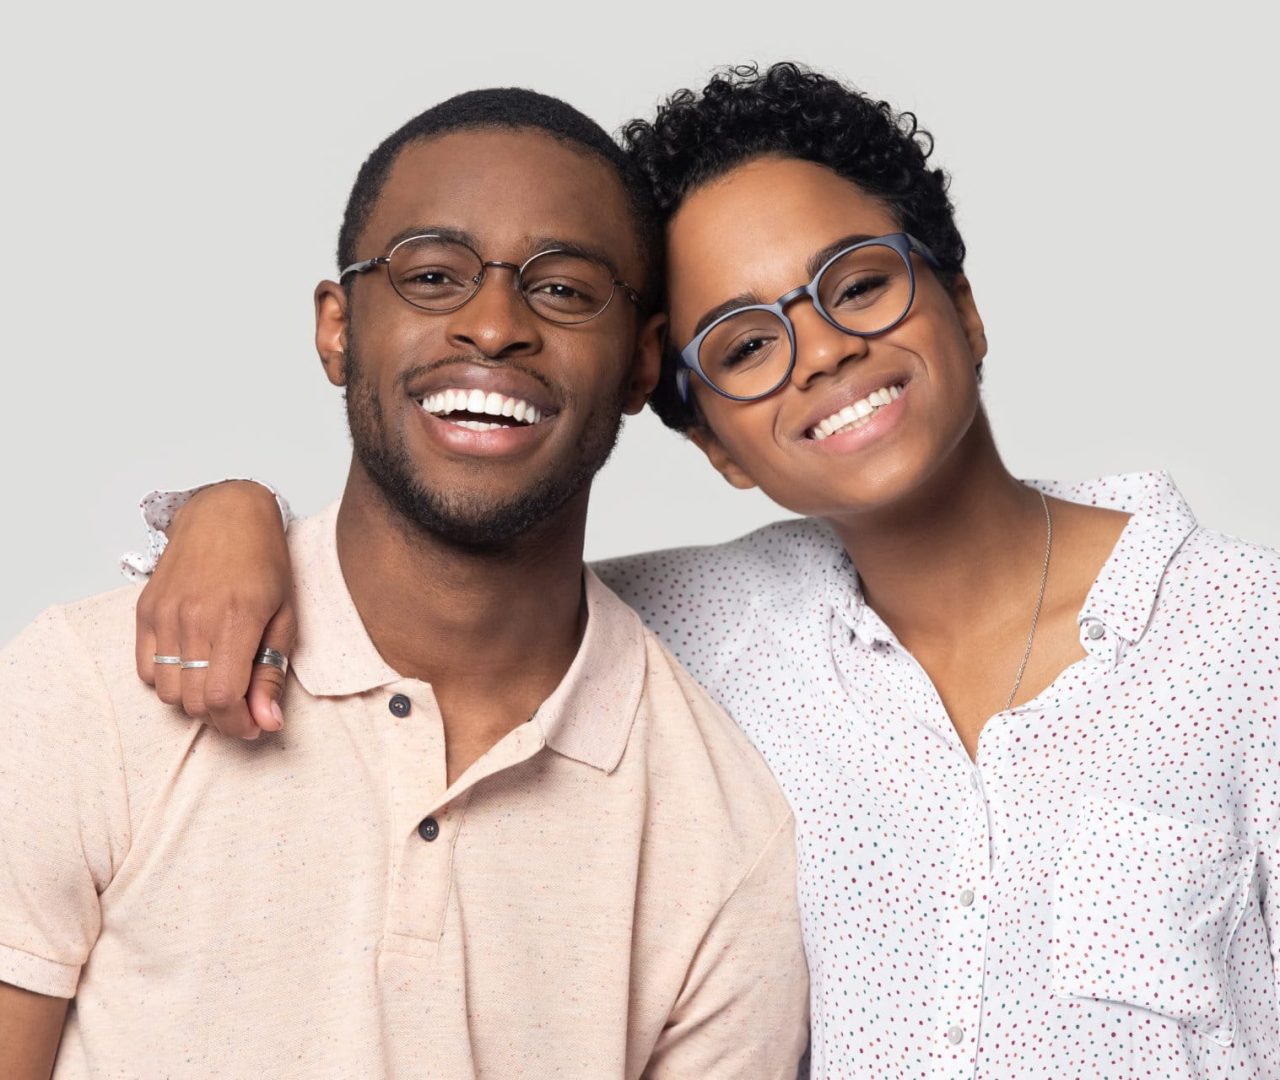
472, 522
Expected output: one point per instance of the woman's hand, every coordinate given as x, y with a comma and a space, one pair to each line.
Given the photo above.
223, 590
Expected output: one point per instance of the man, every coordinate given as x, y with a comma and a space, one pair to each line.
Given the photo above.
505, 834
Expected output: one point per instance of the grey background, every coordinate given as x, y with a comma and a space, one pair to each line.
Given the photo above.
174, 178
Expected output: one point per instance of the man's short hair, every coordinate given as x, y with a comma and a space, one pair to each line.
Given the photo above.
787, 110
510, 107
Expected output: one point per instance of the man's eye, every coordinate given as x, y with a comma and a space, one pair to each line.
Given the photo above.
430, 278
556, 290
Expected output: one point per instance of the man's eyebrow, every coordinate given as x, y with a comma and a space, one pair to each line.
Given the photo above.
817, 259
540, 244
732, 304
445, 232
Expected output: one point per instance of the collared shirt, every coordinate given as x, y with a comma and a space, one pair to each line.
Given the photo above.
608, 892
1096, 895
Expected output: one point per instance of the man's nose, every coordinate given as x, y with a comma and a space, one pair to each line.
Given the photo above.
496, 321
820, 347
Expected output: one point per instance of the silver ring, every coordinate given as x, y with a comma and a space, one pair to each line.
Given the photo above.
187, 665
158, 659
271, 658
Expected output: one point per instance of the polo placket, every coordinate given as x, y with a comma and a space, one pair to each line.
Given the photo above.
428, 817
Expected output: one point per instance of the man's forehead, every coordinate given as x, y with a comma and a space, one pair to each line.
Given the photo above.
504, 186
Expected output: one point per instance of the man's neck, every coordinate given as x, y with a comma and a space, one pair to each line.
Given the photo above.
492, 631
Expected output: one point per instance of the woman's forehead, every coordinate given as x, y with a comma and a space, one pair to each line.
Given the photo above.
755, 228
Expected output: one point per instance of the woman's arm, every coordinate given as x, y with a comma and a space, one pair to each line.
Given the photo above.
222, 590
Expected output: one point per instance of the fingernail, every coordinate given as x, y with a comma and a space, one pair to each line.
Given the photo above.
276, 713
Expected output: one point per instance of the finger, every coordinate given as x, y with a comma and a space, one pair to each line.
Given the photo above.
227, 680
168, 677
266, 684
196, 645
144, 646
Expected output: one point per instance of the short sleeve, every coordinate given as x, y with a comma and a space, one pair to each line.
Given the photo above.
63, 805
158, 508
744, 1008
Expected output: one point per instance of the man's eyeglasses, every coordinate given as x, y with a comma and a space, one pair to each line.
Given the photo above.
437, 274
864, 290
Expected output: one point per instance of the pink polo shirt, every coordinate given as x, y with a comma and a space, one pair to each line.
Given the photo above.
608, 892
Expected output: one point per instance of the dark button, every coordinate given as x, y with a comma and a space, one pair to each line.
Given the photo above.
428, 829
400, 705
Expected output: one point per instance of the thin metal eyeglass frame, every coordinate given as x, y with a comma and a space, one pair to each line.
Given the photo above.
903, 243
366, 265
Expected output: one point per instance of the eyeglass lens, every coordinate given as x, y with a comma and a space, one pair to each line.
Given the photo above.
867, 290
440, 275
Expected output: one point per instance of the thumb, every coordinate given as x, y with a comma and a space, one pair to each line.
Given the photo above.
266, 684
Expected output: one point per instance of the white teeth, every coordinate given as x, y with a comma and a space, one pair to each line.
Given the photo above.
853, 415
479, 403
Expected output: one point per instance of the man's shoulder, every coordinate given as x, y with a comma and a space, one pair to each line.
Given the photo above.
693, 745
95, 629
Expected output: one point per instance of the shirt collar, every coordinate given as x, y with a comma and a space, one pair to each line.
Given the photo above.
588, 717
1124, 594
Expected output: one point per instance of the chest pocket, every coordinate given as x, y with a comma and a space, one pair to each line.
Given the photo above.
1145, 907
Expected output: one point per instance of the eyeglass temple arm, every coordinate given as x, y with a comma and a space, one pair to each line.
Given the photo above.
922, 249
361, 267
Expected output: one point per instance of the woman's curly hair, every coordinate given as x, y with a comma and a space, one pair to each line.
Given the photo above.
787, 110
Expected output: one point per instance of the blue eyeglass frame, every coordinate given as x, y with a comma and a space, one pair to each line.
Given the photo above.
903, 243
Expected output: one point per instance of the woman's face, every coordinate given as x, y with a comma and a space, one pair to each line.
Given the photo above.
751, 233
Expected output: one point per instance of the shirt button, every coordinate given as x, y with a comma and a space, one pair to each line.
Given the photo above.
955, 1035
400, 705
1095, 630
973, 781
965, 897
428, 829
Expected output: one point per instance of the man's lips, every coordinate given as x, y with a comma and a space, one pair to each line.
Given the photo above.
483, 391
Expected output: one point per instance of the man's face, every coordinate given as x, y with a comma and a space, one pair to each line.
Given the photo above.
512, 194
751, 233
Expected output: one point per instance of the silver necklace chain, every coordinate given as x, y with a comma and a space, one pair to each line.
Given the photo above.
1035, 618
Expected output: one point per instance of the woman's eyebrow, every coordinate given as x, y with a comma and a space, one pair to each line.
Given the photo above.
818, 258
732, 304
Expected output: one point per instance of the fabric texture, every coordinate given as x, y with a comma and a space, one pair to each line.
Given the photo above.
609, 891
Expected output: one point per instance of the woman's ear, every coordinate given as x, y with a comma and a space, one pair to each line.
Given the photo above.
970, 321
646, 363
720, 458
331, 330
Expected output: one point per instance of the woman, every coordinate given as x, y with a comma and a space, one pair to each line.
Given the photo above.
1029, 733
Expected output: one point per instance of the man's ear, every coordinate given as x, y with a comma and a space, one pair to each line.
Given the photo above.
331, 330
970, 321
721, 460
646, 364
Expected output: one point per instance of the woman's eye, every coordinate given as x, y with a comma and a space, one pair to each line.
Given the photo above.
745, 351
860, 289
